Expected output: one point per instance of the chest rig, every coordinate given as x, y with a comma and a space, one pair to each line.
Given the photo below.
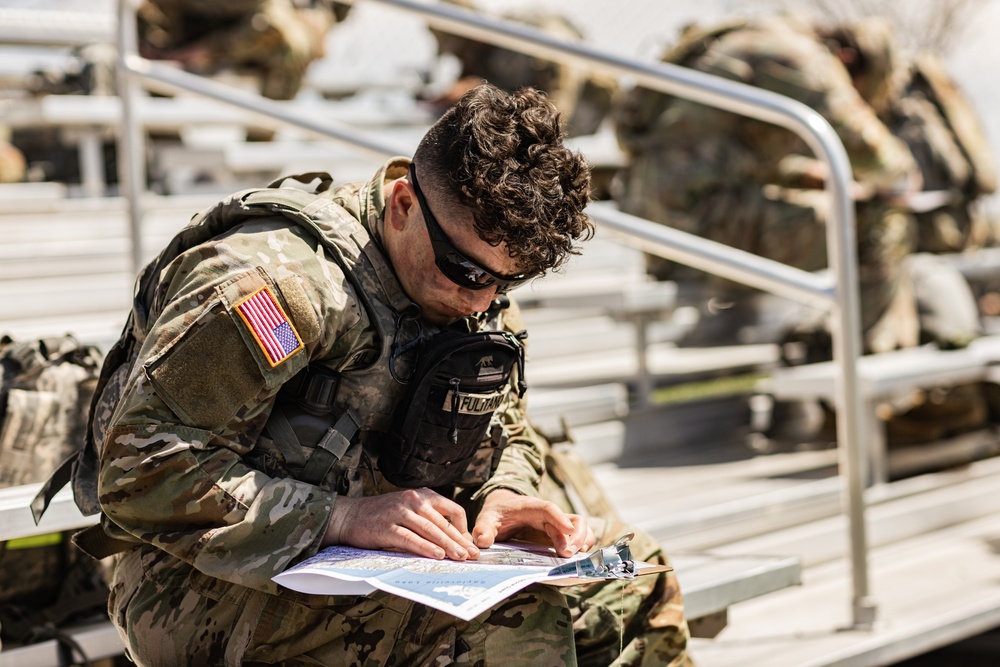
418, 411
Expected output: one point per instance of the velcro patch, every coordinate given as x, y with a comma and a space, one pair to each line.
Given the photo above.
269, 326
473, 404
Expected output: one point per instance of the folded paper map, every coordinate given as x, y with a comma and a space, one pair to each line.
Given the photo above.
462, 588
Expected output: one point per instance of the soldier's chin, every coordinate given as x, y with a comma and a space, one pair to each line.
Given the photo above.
442, 315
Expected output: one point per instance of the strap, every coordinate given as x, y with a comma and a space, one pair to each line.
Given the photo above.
325, 180
59, 478
331, 448
284, 437
94, 542
305, 207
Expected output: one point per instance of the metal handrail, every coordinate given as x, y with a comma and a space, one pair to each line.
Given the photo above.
841, 296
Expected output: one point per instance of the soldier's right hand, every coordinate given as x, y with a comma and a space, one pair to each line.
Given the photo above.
418, 521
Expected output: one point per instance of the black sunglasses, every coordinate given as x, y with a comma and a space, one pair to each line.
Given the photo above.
461, 270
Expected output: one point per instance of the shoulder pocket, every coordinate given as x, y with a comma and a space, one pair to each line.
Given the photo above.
229, 354
274, 321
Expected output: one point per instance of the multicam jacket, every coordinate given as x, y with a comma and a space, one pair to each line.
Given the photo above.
189, 462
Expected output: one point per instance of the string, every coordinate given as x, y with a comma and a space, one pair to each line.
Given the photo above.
621, 623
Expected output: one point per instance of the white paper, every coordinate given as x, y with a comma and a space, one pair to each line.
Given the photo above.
462, 588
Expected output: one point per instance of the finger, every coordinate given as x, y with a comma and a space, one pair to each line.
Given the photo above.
545, 513
455, 527
432, 516
582, 536
453, 512
454, 515
484, 534
561, 542
410, 542
433, 504
435, 528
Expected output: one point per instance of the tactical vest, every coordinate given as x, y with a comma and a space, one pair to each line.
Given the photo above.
328, 420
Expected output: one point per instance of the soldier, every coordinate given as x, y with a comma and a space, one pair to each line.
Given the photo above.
277, 38
756, 186
268, 399
584, 98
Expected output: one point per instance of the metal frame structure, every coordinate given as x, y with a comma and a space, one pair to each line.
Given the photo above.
838, 292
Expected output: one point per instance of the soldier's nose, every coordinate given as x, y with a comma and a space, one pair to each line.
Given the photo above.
479, 300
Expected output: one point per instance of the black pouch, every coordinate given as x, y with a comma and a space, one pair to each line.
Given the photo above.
459, 382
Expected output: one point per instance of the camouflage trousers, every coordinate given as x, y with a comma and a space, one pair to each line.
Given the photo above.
169, 614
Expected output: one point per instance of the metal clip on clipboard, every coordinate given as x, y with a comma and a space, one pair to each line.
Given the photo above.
614, 562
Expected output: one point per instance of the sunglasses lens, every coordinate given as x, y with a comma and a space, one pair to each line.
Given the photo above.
464, 272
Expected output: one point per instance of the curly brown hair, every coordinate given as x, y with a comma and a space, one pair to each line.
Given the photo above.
502, 156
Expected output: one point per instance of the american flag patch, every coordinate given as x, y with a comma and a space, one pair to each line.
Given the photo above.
269, 326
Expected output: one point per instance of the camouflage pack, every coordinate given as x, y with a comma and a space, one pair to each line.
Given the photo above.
45, 388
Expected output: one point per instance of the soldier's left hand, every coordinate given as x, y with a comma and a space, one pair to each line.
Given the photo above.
506, 515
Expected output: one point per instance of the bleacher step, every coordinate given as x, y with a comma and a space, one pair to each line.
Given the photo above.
930, 590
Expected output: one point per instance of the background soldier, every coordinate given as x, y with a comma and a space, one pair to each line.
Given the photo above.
757, 187
234, 444
754, 185
584, 98
276, 38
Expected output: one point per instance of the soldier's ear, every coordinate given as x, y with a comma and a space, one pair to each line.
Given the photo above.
402, 205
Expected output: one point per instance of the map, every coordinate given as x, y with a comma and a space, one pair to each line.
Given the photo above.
462, 588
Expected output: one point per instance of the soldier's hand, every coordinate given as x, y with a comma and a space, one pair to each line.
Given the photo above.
418, 521
506, 514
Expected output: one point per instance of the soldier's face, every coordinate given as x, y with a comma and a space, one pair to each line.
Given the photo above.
412, 254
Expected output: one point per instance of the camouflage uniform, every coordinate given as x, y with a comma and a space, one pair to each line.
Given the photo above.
584, 98
944, 135
751, 184
277, 37
198, 483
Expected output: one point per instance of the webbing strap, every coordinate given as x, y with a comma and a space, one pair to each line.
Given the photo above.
284, 437
331, 448
94, 542
59, 478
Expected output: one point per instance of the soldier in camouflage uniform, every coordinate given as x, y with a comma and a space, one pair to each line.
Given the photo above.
208, 488
756, 186
277, 38
585, 98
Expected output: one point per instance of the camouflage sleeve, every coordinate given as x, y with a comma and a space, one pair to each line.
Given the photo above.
172, 468
522, 463
878, 158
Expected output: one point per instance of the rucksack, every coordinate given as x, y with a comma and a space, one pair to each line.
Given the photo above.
45, 391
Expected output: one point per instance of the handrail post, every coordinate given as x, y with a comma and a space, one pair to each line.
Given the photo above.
851, 427
131, 143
